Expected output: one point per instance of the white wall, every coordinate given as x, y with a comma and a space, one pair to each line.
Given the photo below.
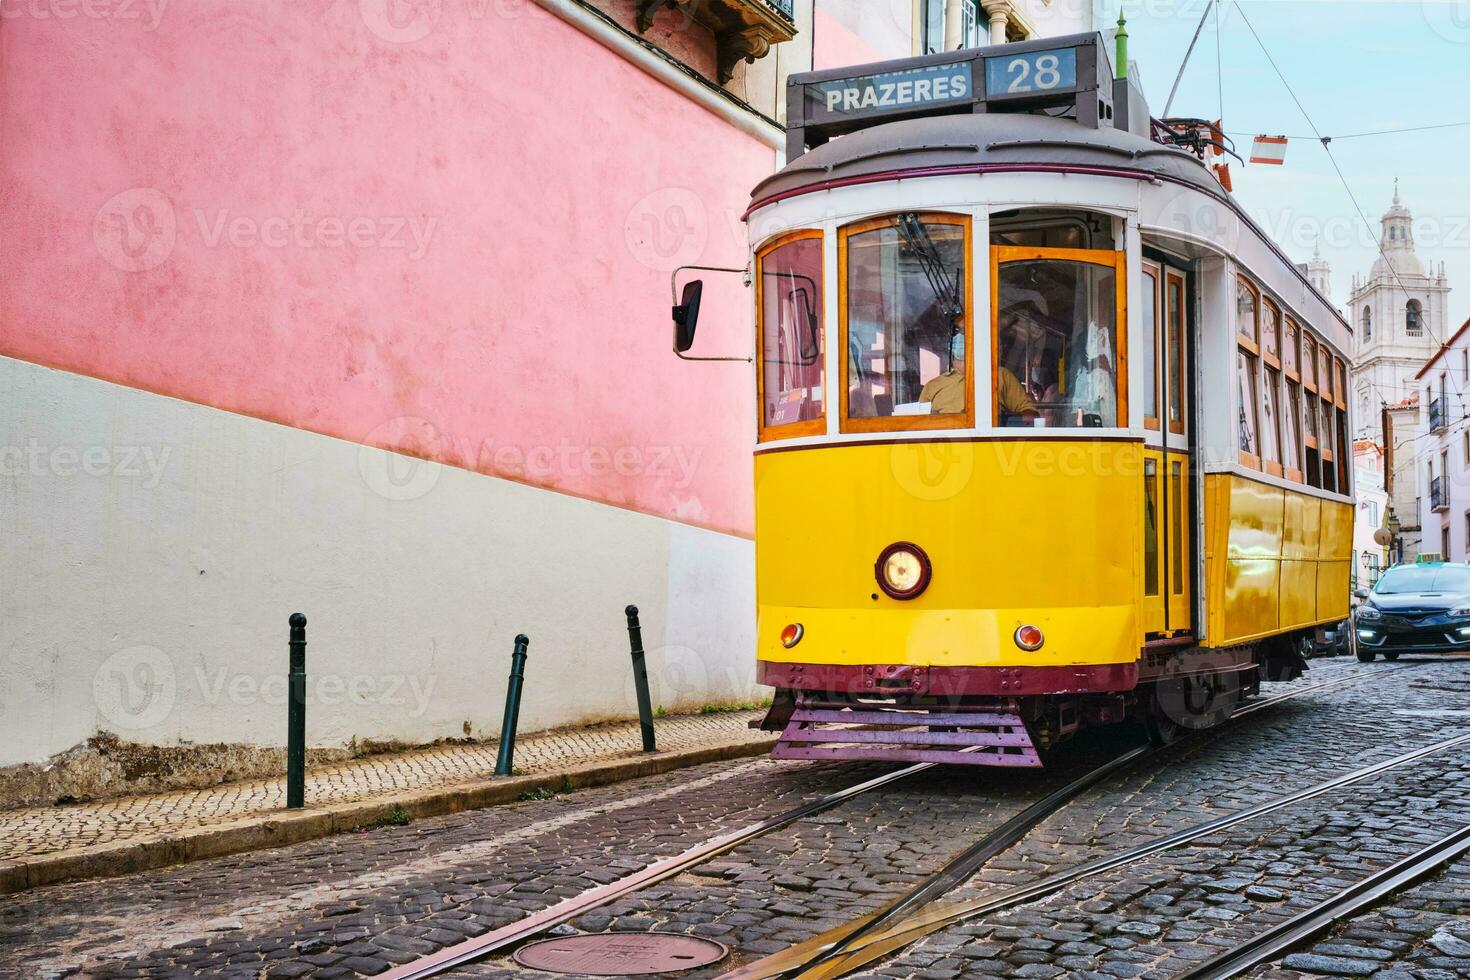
153, 550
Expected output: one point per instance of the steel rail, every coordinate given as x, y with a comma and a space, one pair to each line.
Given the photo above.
1320, 918
568, 909
960, 868
537, 922
826, 947
938, 917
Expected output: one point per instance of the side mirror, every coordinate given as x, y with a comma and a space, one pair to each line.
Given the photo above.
1361, 594
686, 315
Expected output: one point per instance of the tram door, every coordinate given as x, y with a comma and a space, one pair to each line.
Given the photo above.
1168, 576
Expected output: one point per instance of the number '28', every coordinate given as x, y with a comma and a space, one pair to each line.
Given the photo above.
1048, 74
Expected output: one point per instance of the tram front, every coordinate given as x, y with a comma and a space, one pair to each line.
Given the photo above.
950, 468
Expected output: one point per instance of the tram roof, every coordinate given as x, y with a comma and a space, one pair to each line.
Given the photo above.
982, 141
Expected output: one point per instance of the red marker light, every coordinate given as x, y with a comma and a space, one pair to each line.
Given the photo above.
1029, 638
792, 635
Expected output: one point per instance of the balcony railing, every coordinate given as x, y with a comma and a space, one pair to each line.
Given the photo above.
787, 7
1436, 415
1439, 497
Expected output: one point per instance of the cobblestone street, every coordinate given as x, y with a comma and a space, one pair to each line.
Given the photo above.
360, 903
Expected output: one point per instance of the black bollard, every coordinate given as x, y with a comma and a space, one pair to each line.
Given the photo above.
640, 679
503, 760
296, 717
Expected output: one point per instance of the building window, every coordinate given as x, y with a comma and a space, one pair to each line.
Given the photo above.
931, 26
1367, 324
970, 23
1444, 543
1413, 319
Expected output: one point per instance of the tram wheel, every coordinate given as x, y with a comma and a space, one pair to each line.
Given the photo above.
1390, 655
1189, 703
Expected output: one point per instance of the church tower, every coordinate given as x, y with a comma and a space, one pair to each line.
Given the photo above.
1398, 316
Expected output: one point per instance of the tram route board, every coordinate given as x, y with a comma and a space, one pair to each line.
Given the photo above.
1072, 71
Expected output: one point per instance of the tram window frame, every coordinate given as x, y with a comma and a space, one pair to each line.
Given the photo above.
1294, 462
1268, 319
1151, 336
1311, 450
1344, 449
1327, 425
846, 423
1115, 260
1176, 388
804, 427
1247, 382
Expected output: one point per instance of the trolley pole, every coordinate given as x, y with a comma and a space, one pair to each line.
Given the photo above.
506, 755
640, 679
296, 717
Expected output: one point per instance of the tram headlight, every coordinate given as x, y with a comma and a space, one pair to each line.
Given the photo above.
902, 570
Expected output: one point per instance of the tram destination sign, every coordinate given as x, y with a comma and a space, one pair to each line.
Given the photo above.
1072, 74
884, 93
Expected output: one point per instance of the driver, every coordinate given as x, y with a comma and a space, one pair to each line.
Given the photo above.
946, 392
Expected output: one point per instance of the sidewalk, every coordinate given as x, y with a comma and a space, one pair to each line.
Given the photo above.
46, 845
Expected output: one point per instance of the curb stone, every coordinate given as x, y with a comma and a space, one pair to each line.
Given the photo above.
278, 828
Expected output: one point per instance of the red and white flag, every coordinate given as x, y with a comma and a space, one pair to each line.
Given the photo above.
1269, 149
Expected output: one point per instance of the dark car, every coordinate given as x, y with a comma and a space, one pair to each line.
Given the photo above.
1415, 609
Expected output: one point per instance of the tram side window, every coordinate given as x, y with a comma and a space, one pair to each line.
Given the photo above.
1291, 419
1057, 352
1270, 319
906, 318
1310, 433
791, 332
1246, 355
1344, 447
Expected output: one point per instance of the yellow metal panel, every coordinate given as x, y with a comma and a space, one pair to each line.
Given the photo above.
1337, 531
1278, 559
950, 637
1332, 590
1257, 511
1017, 531
1298, 594
1303, 515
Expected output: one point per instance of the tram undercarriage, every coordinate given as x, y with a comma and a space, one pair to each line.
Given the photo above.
909, 714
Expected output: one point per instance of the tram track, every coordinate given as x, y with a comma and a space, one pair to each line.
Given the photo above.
830, 945
930, 889
811, 959
1355, 898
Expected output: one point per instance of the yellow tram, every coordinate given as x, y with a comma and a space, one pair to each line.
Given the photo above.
1050, 433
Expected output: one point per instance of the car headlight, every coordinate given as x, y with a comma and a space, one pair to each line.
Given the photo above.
902, 570
1462, 613
1366, 614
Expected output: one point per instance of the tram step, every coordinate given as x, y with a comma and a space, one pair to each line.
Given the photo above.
980, 738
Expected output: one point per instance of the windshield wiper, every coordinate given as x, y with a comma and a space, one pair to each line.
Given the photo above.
918, 243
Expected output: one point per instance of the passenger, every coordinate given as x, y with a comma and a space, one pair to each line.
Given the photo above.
945, 392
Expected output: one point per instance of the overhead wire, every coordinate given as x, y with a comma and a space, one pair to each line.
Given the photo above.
1327, 148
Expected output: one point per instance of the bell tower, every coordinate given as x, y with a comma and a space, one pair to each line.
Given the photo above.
1398, 315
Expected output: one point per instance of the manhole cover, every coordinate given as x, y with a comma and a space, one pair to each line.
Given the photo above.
621, 954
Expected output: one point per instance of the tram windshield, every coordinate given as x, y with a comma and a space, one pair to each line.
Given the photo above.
1056, 343
905, 331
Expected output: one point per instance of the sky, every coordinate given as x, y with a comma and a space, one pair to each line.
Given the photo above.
1357, 66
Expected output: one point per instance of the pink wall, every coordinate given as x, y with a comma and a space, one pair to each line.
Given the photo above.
835, 45
456, 244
